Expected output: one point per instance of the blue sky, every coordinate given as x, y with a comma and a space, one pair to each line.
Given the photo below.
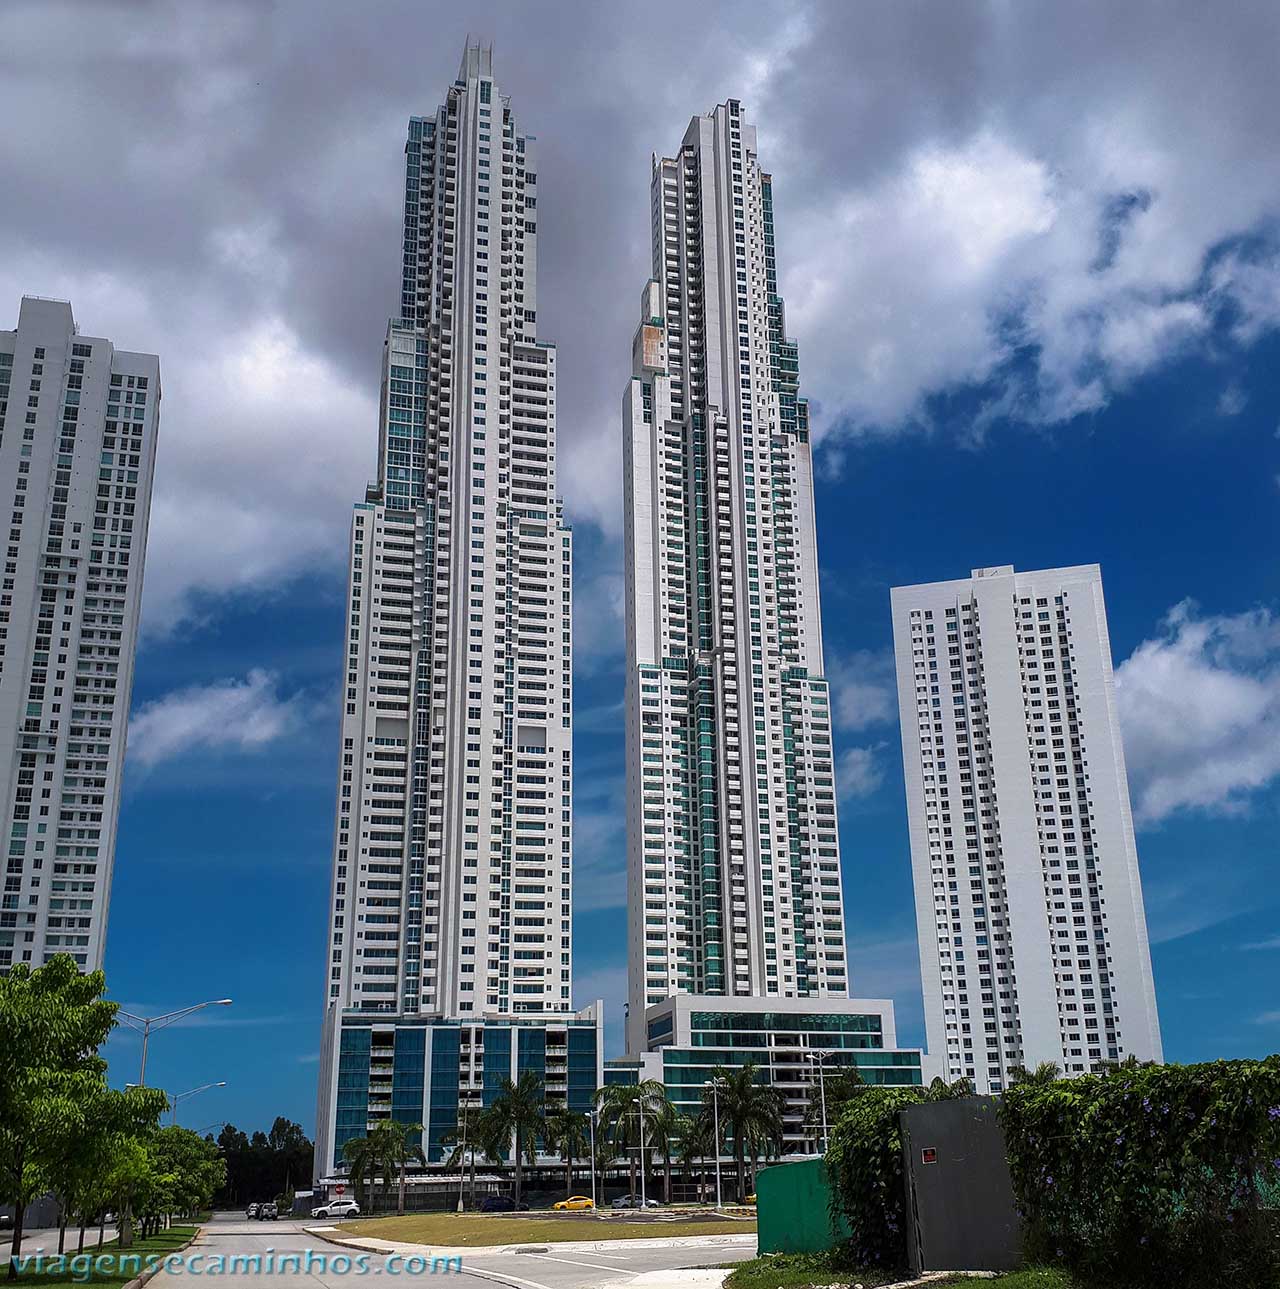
1031, 256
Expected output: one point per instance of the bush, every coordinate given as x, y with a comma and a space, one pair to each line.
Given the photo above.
864, 1163
1150, 1175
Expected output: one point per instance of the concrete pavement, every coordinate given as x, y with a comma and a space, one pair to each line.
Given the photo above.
647, 1264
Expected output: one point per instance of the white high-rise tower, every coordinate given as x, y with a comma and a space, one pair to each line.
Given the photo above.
78, 421
452, 847
1033, 938
732, 851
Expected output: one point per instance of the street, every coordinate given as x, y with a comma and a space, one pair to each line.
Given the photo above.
46, 1238
539, 1266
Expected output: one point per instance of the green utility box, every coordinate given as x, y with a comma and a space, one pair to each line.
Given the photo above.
793, 1203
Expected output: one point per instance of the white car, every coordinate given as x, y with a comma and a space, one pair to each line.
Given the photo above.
337, 1208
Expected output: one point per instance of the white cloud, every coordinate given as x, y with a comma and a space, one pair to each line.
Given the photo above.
859, 772
1232, 401
1200, 711
1262, 946
863, 689
228, 714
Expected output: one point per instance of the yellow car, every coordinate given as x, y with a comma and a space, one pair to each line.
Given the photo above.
574, 1201
751, 1199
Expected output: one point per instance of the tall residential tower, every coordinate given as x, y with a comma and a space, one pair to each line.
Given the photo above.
732, 852
452, 849
78, 421
1033, 938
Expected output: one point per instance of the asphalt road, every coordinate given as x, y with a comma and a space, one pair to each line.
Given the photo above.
541, 1266
46, 1238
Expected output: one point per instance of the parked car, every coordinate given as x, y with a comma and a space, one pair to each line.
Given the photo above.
337, 1208
574, 1202
501, 1204
625, 1201
6, 1221
751, 1199
252, 1211
268, 1212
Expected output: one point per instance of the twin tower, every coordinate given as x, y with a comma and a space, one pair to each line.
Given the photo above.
450, 938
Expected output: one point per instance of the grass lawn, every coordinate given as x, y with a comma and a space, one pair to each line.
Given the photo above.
796, 1270
469, 1229
802, 1270
112, 1272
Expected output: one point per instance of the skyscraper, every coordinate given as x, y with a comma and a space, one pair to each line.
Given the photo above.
732, 851
452, 847
1033, 938
78, 421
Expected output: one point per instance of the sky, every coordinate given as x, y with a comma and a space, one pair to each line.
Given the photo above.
1031, 255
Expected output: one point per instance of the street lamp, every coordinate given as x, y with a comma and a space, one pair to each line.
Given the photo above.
182, 1096
715, 1110
462, 1155
145, 1024
591, 1122
820, 1057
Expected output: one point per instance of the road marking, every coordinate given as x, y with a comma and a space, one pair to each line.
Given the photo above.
574, 1262
502, 1277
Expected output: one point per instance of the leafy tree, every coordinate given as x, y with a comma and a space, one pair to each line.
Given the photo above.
750, 1115
570, 1134
52, 1022
518, 1114
268, 1165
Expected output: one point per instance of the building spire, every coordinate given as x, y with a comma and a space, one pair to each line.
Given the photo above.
477, 60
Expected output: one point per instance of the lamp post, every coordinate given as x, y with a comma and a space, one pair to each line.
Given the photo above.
591, 1124
462, 1158
820, 1058
145, 1024
182, 1096
715, 1111
640, 1108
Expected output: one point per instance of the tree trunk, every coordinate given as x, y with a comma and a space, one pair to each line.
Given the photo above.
666, 1177
741, 1162
80, 1245
102, 1227
15, 1248
404, 1167
517, 1177
473, 1177
62, 1228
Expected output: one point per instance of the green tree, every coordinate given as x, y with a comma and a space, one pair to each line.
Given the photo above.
52, 1022
629, 1111
570, 1134
1044, 1074
518, 1115
467, 1140
750, 1114
361, 1157
694, 1135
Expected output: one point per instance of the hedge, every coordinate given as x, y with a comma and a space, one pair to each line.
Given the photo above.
1151, 1175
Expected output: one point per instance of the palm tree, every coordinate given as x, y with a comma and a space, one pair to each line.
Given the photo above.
361, 1157
467, 1142
518, 1112
628, 1111
1044, 1074
750, 1113
693, 1137
569, 1133
397, 1150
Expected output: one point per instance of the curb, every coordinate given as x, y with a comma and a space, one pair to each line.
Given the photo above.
567, 1246
138, 1281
